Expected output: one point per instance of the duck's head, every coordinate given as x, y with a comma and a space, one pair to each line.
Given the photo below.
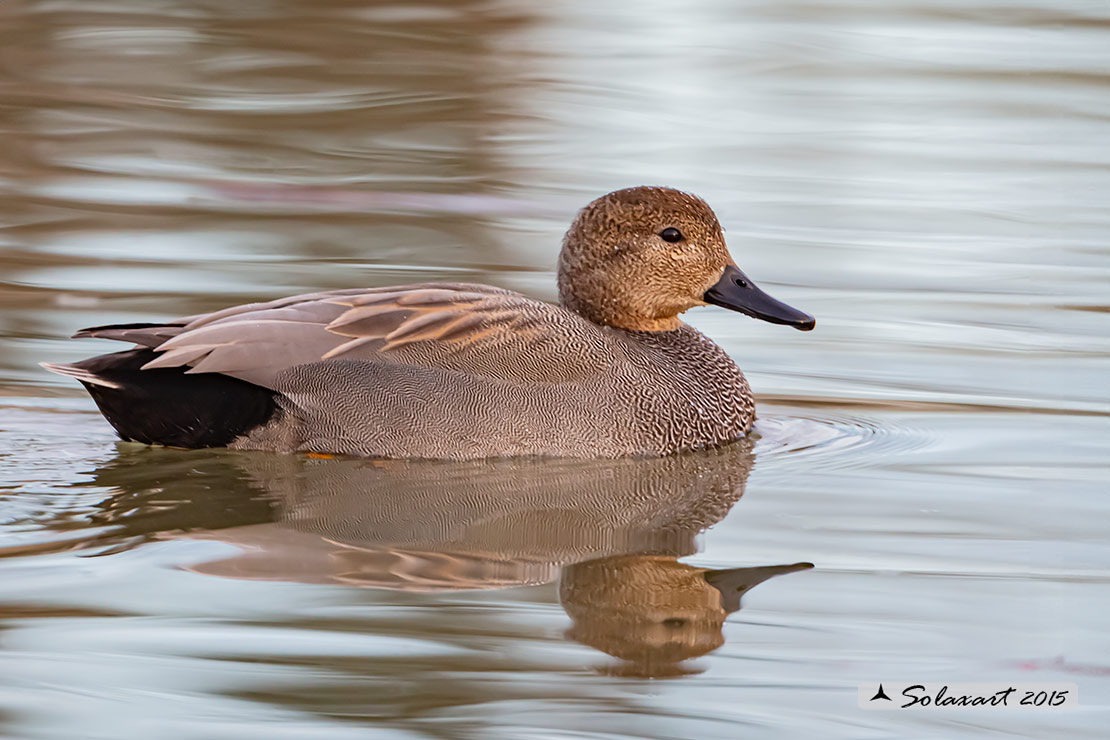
637, 258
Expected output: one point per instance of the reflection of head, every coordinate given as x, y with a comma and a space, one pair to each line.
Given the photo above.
613, 528
653, 611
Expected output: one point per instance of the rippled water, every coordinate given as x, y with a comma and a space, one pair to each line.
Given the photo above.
929, 178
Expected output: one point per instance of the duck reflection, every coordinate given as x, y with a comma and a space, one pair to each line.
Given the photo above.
652, 611
610, 531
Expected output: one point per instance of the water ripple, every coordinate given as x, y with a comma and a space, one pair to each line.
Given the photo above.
832, 440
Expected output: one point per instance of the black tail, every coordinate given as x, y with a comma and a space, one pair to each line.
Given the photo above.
167, 407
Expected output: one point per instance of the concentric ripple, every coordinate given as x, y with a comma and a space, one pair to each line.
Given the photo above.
833, 440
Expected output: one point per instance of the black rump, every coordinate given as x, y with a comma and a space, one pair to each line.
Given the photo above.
165, 406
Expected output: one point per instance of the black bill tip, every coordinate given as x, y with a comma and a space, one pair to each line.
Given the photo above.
736, 292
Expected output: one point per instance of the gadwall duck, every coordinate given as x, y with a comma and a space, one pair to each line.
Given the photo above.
460, 371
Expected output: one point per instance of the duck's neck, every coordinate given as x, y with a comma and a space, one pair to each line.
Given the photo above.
595, 298
649, 326
608, 315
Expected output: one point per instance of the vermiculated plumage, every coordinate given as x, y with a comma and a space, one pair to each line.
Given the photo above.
457, 370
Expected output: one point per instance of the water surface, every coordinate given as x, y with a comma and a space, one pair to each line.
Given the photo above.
928, 178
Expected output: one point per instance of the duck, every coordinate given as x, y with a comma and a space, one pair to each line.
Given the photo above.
460, 371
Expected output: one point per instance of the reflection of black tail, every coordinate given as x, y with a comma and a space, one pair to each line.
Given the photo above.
165, 405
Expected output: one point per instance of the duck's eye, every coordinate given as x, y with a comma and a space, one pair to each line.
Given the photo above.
671, 235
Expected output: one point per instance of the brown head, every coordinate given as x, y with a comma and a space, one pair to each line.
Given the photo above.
637, 258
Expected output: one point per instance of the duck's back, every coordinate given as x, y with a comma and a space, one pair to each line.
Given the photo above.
657, 393
451, 371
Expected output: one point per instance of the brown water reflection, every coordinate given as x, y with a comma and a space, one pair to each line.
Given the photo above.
609, 531
653, 611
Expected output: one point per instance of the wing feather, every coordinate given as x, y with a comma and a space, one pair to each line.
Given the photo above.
370, 321
144, 335
474, 329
